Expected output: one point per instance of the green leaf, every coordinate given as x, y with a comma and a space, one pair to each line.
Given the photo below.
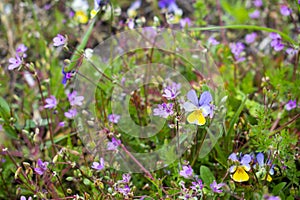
277, 188
4, 109
10, 132
206, 175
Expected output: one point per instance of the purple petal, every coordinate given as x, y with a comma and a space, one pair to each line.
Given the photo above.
205, 98
260, 159
192, 96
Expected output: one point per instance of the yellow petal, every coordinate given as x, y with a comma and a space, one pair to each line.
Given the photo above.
196, 117
269, 178
240, 175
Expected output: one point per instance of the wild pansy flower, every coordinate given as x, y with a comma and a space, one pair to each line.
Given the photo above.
250, 38
42, 167
51, 102
255, 14
242, 165
71, 113
213, 41
59, 40
171, 7
14, 63
74, 99
172, 91
113, 145
163, 110
186, 172
236, 50
276, 41
291, 104
199, 108
98, 165
262, 165
114, 118
285, 10
216, 187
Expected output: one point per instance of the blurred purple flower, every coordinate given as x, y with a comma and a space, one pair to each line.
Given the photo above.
267, 197
163, 110
213, 41
291, 104
51, 102
165, 3
71, 113
59, 40
114, 118
131, 24
98, 165
186, 172
113, 145
216, 187
14, 63
236, 50
257, 3
255, 14
124, 190
197, 186
67, 76
172, 91
249, 38
276, 42
61, 124
42, 167
291, 51
1, 127
126, 178
185, 22
21, 49
24, 198
285, 10
74, 99
47, 6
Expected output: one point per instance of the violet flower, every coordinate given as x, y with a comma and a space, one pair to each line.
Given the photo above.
285, 10
186, 172
59, 40
71, 113
51, 102
291, 104
242, 164
114, 118
276, 41
66, 76
185, 22
163, 110
213, 41
21, 49
113, 145
197, 185
250, 38
257, 3
255, 14
74, 99
42, 167
98, 165
172, 91
262, 165
216, 187
236, 50
14, 63
24, 198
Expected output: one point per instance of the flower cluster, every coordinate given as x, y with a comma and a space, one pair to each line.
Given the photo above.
123, 186
237, 50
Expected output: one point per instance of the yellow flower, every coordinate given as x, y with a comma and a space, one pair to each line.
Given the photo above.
81, 17
240, 174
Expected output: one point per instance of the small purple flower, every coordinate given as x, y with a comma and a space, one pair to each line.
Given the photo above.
21, 49
276, 41
51, 102
285, 10
1, 127
216, 187
14, 63
67, 76
114, 118
213, 41
124, 190
250, 38
185, 22
126, 178
74, 99
291, 104
113, 145
24, 198
61, 124
163, 110
98, 165
165, 3
291, 51
257, 3
255, 14
131, 24
71, 113
267, 197
172, 91
59, 40
186, 172
236, 50
42, 167
197, 186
